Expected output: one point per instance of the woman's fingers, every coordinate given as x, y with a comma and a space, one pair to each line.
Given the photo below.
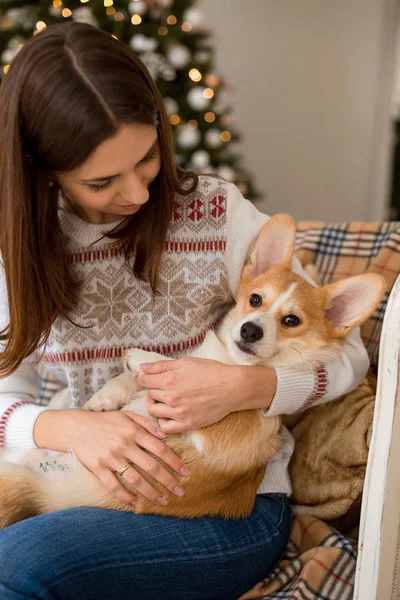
110, 481
156, 408
151, 466
143, 422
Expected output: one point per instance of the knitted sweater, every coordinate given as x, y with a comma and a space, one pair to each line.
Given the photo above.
207, 243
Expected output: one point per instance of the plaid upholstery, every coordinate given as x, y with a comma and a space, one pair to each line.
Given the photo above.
345, 249
319, 564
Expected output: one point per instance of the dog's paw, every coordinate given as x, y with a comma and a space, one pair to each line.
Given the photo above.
115, 394
99, 403
134, 358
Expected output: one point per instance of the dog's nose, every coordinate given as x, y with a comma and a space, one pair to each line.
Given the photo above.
250, 332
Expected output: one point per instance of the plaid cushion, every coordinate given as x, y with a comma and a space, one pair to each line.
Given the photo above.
319, 563
345, 249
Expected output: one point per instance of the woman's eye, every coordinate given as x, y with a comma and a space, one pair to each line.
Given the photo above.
291, 321
151, 156
100, 188
255, 300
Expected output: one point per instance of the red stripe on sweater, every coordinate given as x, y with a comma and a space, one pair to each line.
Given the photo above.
5, 416
117, 352
320, 388
170, 246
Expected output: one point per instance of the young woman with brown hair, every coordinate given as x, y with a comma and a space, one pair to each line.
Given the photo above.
107, 244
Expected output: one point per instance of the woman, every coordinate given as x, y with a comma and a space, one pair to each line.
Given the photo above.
107, 244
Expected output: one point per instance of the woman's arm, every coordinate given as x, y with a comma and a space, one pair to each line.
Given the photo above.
18, 392
18, 410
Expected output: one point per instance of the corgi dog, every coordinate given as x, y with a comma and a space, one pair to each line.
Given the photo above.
279, 319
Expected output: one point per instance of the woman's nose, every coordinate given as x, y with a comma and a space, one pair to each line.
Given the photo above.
135, 190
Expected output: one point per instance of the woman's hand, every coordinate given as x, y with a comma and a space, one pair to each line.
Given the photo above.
190, 393
104, 442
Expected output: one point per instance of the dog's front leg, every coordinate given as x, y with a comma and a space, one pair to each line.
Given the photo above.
115, 394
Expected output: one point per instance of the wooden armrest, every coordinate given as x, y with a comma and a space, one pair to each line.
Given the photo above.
378, 572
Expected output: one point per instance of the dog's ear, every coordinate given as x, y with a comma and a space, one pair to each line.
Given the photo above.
351, 301
274, 246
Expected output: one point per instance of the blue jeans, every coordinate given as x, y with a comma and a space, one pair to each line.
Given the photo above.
97, 554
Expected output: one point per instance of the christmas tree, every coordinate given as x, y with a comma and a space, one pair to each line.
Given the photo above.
171, 39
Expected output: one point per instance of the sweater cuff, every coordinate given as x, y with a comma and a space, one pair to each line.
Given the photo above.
295, 391
17, 424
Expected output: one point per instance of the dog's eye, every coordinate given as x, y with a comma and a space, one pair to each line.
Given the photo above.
255, 300
291, 321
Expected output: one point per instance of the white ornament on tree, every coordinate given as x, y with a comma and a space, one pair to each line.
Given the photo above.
227, 173
202, 56
171, 106
84, 15
178, 55
158, 66
23, 17
201, 159
141, 43
137, 8
162, 3
194, 16
11, 51
187, 137
212, 138
196, 98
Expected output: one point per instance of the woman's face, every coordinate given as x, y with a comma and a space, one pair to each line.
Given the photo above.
114, 180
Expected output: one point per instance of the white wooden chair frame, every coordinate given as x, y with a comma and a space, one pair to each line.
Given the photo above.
378, 563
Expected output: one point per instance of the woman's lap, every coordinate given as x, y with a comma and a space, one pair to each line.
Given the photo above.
95, 554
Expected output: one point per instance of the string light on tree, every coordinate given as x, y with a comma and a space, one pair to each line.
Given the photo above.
209, 117
195, 75
136, 19
212, 80
186, 27
226, 120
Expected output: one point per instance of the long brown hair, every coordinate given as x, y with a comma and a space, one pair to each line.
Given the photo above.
69, 89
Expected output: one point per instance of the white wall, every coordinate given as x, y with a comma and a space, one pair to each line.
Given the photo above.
312, 82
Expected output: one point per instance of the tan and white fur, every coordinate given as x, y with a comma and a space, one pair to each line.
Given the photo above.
226, 460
